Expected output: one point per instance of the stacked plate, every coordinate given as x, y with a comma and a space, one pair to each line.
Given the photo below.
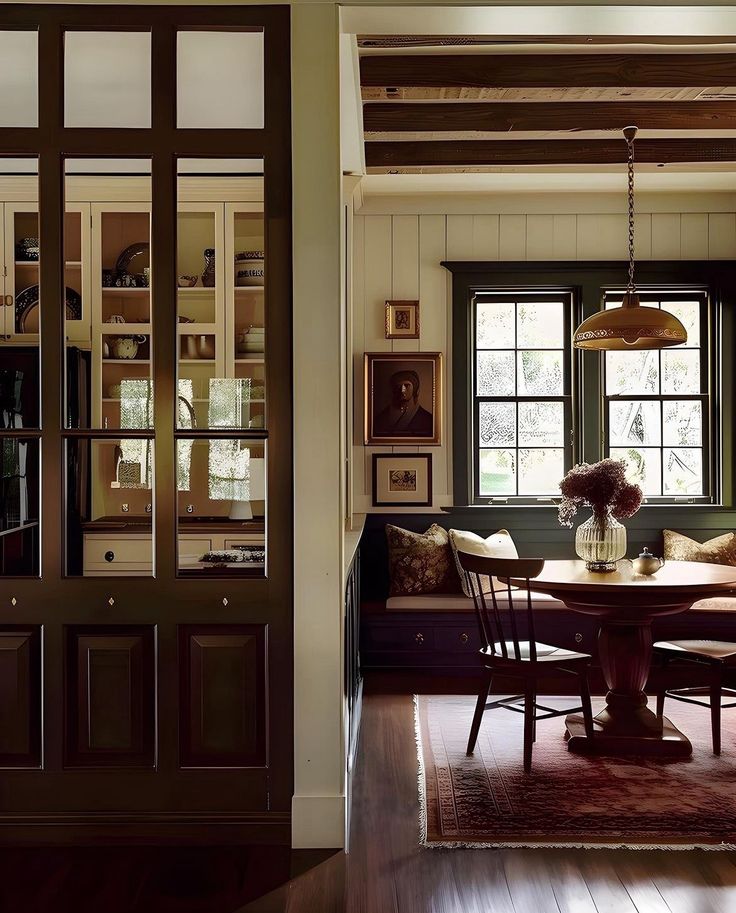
252, 341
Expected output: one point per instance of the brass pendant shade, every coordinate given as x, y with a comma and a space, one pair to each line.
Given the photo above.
630, 326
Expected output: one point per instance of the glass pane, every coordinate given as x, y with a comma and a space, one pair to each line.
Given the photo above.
681, 371
497, 472
541, 424
220, 79
541, 326
632, 372
19, 504
495, 376
634, 422
683, 471
221, 298
495, 325
109, 351
109, 498
683, 423
497, 424
540, 471
688, 313
222, 506
19, 79
107, 79
644, 467
540, 373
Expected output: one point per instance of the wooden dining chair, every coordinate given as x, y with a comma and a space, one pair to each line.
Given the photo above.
504, 654
715, 658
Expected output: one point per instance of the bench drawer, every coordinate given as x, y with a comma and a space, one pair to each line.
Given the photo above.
415, 638
457, 639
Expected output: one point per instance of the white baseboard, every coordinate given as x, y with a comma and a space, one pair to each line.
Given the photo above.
318, 822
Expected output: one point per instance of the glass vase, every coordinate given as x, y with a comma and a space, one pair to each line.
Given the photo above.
600, 542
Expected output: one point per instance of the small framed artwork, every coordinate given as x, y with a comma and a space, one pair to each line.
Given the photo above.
402, 479
402, 320
403, 397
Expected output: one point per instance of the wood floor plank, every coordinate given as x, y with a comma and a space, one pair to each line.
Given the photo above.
682, 885
608, 894
635, 873
571, 891
529, 882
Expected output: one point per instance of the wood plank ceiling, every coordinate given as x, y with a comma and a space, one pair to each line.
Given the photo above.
431, 107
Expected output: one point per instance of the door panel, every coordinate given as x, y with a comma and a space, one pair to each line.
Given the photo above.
110, 697
20, 697
223, 695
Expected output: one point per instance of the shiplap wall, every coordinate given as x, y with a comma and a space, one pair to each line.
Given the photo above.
397, 254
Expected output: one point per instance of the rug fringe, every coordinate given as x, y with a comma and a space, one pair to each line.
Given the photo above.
518, 845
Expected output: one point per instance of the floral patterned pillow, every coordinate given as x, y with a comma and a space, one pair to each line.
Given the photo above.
420, 562
720, 550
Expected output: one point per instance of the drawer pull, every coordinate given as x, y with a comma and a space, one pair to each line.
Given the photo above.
109, 556
419, 638
578, 638
463, 638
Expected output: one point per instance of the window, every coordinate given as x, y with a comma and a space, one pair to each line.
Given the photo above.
522, 393
657, 404
526, 406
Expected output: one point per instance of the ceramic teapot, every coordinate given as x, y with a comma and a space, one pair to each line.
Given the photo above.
125, 346
647, 563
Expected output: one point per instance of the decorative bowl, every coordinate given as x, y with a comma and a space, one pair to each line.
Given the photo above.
186, 281
249, 273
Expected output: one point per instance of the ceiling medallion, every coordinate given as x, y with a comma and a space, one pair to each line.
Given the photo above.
630, 326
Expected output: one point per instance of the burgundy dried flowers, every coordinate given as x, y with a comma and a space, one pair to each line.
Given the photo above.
601, 486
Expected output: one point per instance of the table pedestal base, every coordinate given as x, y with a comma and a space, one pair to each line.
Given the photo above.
644, 735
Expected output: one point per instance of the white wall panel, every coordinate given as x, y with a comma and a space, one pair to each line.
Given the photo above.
694, 235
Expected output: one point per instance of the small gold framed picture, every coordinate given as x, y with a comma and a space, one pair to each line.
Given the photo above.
402, 479
402, 320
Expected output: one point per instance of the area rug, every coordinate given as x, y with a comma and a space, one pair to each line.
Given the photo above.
568, 800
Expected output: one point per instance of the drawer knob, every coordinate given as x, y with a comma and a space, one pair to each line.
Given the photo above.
463, 638
109, 556
419, 638
578, 638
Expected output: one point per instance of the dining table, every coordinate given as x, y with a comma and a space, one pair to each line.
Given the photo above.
626, 604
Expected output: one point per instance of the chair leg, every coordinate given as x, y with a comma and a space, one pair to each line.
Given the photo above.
662, 692
715, 707
528, 724
478, 715
534, 713
587, 708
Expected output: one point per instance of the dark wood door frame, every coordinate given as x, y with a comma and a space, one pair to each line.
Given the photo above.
247, 797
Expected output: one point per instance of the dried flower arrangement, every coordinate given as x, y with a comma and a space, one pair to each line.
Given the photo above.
601, 486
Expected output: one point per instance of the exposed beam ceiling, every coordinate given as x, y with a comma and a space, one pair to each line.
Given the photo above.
548, 70
382, 155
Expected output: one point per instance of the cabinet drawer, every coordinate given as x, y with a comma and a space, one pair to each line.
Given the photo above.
191, 550
129, 549
457, 639
419, 638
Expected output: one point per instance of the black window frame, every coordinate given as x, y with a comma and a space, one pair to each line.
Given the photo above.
588, 283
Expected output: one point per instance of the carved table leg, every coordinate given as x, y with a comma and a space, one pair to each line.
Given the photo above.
627, 726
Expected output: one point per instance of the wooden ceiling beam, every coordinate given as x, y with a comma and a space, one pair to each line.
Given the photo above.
545, 152
407, 117
548, 70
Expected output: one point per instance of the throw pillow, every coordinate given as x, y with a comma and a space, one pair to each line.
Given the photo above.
497, 545
420, 562
719, 550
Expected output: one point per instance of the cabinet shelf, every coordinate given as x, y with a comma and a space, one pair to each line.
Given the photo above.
196, 290
126, 361
118, 329
112, 290
239, 289
196, 361
245, 359
69, 264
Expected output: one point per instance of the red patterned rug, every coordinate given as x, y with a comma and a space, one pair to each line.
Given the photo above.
568, 800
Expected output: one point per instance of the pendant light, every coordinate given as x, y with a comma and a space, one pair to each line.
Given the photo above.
630, 326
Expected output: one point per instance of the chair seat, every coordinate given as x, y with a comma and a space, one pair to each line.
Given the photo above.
545, 653
718, 650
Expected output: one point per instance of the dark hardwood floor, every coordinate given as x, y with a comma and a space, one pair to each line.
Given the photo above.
387, 871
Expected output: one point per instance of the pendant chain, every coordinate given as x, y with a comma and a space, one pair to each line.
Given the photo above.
631, 288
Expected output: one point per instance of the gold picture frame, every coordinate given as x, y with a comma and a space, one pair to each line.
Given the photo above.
402, 320
403, 398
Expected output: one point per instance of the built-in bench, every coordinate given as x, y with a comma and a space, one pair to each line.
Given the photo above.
439, 633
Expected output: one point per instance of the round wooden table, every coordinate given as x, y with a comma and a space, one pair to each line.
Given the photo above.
626, 603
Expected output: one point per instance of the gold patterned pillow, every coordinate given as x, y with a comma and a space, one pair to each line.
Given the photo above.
420, 562
720, 550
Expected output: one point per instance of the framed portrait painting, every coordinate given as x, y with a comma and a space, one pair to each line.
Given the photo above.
402, 479
403, 397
